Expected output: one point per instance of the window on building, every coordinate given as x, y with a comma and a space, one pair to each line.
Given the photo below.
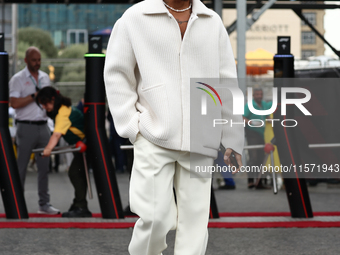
310, 16
75, 36
72, 38
305, 54
307, 37
58, 37
81, 38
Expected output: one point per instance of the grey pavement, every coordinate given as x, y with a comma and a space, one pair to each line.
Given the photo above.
221, 241
321, 241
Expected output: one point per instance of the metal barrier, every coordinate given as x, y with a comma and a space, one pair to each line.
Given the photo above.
78, 147
269, 152
324, 145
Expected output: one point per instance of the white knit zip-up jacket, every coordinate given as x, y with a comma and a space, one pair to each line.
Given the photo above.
148, 69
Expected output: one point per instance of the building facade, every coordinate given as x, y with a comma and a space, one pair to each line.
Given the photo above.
6, 25
69, 24
273, 23
311, 44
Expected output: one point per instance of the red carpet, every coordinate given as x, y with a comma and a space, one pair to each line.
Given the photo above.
19, 224
102, 225
271, 214
223, 214
284, 224
212, 224
38, 215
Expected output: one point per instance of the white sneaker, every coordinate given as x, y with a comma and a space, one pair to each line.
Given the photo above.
48, 209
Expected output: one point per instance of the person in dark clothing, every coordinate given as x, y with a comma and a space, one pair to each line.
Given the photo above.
69, 123
115, 142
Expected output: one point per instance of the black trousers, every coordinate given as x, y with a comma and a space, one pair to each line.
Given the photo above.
78, 179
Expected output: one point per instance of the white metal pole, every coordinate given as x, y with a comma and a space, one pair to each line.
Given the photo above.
241, 41
14, 37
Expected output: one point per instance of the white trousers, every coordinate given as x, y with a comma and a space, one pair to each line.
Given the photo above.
156, 171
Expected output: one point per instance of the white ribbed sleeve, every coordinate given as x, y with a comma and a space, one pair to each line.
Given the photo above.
232, 137
120, 82
147, 75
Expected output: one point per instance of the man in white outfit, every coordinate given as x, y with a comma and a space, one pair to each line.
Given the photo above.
153, 52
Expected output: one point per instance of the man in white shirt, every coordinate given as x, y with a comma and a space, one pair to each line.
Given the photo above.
31, 120
154, 50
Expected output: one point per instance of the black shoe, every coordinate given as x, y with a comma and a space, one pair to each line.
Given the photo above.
227, 187
77, 213
261, 186
333, 181
312, 183
251, 185
72, 207
127, 211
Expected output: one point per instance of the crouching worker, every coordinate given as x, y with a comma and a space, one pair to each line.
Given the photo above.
69, 123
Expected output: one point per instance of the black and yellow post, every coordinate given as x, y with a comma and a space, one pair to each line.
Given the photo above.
11, 189
295, 185
98, 151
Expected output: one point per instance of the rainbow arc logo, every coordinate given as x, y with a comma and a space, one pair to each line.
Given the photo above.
204, 99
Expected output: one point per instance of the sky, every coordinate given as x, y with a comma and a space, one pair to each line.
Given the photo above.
332, 35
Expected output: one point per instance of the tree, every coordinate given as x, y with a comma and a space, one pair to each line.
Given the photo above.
74, 51
38, 38
22, 47
73, 71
